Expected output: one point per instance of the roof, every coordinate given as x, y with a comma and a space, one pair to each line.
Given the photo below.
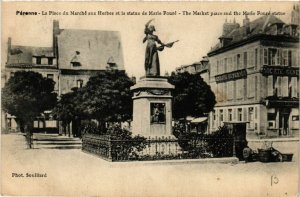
97, 48
260, 26
23, 54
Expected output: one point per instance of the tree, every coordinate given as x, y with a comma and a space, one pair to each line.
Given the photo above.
107, 97
26, 95
192, 96
66, 109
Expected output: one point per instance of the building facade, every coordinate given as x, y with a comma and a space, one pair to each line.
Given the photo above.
75, 56
199, 68
254, 73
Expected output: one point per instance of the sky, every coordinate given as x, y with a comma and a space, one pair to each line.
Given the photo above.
196, 33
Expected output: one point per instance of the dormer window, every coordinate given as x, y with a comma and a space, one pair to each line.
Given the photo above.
50, 61
111, 63
225, 41
279, 28
76, 59
38, 60
294, 30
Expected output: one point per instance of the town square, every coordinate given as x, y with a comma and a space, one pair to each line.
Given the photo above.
150, 101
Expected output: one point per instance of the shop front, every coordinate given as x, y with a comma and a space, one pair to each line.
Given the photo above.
283, 118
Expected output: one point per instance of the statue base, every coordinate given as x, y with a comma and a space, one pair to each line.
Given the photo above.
152, 107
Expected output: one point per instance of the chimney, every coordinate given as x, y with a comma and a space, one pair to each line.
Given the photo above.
8, 48
56, 32
229, 27
9, 45
246, 24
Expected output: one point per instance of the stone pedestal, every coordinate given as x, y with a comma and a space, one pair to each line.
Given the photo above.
152, 107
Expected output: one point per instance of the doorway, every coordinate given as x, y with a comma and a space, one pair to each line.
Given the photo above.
284, 114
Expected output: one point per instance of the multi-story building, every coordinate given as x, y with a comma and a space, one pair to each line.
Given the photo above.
200, 68
74, 56
254, 73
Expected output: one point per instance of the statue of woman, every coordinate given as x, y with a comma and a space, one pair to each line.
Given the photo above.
152, 66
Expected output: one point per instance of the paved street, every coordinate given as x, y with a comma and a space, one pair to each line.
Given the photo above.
71, 172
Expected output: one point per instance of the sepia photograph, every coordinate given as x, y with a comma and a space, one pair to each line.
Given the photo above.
150, 98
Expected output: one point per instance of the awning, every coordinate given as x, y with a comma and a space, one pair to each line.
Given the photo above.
200, 119
189, 118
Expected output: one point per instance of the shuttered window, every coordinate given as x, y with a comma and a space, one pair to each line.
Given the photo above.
294, 58
294, 87
251, 84
240, 89
265, 55
245, 59
284, 86
270, 85
278, 86
230, 90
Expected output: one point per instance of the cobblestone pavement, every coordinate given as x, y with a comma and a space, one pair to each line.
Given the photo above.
74, 173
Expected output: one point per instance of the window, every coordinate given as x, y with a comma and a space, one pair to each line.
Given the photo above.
293, 86
251, 84
79, 83
50, 76
76, 64
251, 58
255, 87
255, 112
230, 114
240, 89
240, 114
273, 57
290, 58
229, 65
265, 56
255, 58
234, 63
284, 86
230, 90
251, 117
38, 60
245, 59
238, 59
270, 85
221, 115
287, 57
50, 60
271, 116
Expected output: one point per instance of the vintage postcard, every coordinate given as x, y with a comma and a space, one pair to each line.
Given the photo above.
150, 98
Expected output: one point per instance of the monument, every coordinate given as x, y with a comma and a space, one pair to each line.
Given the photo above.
152, 99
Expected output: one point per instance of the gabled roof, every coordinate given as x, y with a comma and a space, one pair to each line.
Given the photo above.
96, 48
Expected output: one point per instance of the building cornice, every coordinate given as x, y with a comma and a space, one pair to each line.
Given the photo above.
257, 37
31, 66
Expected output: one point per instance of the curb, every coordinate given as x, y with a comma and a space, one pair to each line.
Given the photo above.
225, 160
274, 140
